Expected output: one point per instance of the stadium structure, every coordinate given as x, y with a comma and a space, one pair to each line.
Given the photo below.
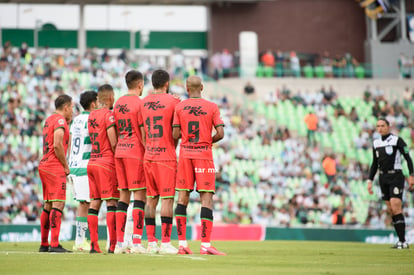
267, 173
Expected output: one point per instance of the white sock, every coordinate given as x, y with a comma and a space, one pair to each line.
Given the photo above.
81, 228
183, 243
206, 244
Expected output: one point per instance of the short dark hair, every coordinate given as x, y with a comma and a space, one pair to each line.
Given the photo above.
104, 92
86, 99
159, 78
61, 101
132, 78
385, 120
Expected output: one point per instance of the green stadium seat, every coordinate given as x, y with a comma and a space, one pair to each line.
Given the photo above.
319, 72
308, 71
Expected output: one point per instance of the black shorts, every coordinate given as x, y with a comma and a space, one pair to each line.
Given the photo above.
392, 186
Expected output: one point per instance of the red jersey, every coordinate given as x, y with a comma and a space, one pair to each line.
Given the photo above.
52, 123
98, 122
126, 111
157, 112
196, 118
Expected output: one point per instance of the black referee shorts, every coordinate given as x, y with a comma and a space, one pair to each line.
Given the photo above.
392, 186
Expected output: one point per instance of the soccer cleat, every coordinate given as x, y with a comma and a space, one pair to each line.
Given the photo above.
85, 246
167, 248
210, 251
184, 250
138, 249
44, 248
401, 245
152, 248
59, 249
95, 248
120, 249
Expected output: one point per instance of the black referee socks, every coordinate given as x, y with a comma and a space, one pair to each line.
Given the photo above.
399, 225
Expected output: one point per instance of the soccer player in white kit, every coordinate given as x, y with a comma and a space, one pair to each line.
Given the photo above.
79, 155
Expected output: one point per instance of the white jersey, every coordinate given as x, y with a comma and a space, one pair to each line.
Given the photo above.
81, 145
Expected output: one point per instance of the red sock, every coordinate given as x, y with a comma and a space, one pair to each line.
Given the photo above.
138, 217
111, 224
44, 227
93, 225
166, 228
206, 228
55, 221
150, 226
181, 227
120, 225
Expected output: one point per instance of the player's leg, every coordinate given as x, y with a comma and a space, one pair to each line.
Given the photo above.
166, 172
81, 194
138, 214
122, 209
94, 206
111, 205
150, 207
184, 185
206, 188
45, 216
58, 198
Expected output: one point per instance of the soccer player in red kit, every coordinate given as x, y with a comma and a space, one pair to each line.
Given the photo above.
129, 162
53, 169
160, 160
101, 167
194, 119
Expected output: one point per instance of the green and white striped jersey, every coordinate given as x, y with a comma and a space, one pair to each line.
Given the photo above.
81, 145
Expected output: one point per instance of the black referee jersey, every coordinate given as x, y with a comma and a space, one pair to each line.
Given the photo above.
387, 152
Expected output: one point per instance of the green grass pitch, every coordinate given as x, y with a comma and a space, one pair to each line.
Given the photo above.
267, 257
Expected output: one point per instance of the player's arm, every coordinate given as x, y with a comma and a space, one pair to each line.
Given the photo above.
69, 146
403, 148
59, 150
372, 171
112, 136
176, 132
219, 133
143, 136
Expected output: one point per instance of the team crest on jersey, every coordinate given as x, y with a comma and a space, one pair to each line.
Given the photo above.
111, 119
195, 110
396, 191
122, 108
93, 123
388, 150
61, 121
153, 105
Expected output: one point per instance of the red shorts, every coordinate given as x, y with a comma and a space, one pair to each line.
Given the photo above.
53, 184
102, 182
200, 170
160, 178
130, 173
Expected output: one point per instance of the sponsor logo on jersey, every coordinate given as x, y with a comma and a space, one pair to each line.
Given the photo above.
156, 149
195, 110
388, 150
396, 191
93, 123
153, 105
122, 108
126, 145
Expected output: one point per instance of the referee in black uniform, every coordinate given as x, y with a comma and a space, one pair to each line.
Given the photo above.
387, 153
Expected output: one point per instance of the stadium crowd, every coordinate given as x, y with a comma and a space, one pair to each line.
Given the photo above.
293, 191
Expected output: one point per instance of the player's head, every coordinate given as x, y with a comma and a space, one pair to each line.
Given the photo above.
383, 126
88, 100
160, 80
194, 85
135, 81
64, 106
106, 96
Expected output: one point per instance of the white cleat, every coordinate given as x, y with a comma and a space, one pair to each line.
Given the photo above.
120, 249
138, 249
167, 248
152, 248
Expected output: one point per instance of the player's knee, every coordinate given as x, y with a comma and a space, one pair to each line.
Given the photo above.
206, 213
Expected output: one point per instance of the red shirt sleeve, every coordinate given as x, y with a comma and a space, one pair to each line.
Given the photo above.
109, 120
217, 121
59, 123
